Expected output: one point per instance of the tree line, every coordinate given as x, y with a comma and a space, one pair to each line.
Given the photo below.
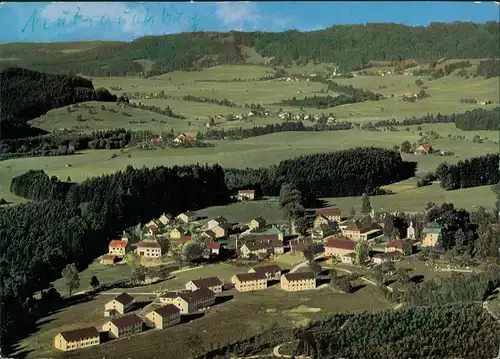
351, 47
74, 223
27, 94
326, 175
479, 119
65, 143
489, 68
472, 172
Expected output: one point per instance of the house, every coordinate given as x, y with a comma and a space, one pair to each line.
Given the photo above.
257, 222
431, 234
118, 247
214, 248
109, 259
322, 231
246, 195
189, 302
215, 222
355, 230
300, 244
261, 248
297, 281
483, 102
119, 305
210, 235
221, 230
267, 231
246, 282
164, 317
149, 249
154, 226
178, 232
425, 149
399, 245
124, 326
271, 271
77, 338
212, 283
348, 258
165, 218
386, 257
182, 138
410, 231
331, 214
169, 297
187, 217
339, 246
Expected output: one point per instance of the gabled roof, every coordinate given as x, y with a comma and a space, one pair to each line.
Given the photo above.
126, 321
269, 268
299, 276
80, 334
259, 220
198, 294
220, 219
167, 310
397, 243
341, 243
211, 234
149, 244
246, 191
328, 212
207, 282
124, 298
118, 243
213, 245
186, 238
247, 277
432, 227
190, 214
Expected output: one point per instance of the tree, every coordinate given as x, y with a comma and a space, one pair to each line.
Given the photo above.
333, 274
308, 254
302, 224
191, 252
94, 282
396, 148
352, 211
366, 206
388, 224
406, 147
68, 179
378, 274
315, 267
71, 277
289, 193
402, 275
362, 252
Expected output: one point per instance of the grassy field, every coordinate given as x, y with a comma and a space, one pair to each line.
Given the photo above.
217, 327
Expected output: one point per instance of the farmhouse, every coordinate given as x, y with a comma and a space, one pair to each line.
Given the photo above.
164, 317
77, 338
178, 232
271, 271
169, 297
221, 230
293, 282
399, 245
214, 248
118, 247
189, 302
339, 246
432, 234
109, 259
358, 232
188, 217
182, 138
217, 221
212, 283
124, 326
424, 149
348, 258
246, 282
330, 214
246, 195
257, 222
386, 257
261, 247
119, 305
149, 249
300, 244
322, 231
165, 218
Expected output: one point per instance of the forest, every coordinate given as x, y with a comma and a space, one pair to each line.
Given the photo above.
74, 223
435, 331
479, 119
368, 169
472, 172
64, 143
351, 47
27, 94
489, 68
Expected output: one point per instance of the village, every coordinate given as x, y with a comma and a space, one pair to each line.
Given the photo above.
334, 237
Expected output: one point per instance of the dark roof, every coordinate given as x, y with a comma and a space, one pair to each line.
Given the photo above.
124, 298
341, 243
167, 310
211, 233
80, 334
299, 276
126, 321
260, 220
256, 245
246, 277
191, 214
207, 282
149, 244
270, 268
198, 294
173, 294
220, 219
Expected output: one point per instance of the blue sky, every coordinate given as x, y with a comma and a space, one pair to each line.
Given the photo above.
125, 21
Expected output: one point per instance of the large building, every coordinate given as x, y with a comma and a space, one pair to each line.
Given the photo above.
272, 271
189, 302
118, 247
119, 305
339, 246
164, 317
293, 282
124, 326
246, 282
77, 338
431, 234
149, 249
212, 283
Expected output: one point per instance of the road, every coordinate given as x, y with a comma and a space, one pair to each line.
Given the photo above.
304, 264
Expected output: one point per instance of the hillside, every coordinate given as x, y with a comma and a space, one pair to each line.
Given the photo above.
349, 46
27, 94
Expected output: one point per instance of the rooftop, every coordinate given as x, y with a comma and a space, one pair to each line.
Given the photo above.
299, 276
118, 243
148, 244
247, 277
207, 282
126, 321
341, 243
270, 268
80, 334
196, 295
167, 310
124, 298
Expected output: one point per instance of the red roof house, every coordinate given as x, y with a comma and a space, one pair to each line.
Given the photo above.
339, 246
213, 245
118, 243
148, 244
328, 212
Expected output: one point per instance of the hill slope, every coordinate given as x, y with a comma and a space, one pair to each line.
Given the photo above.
27, 94
349, 46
